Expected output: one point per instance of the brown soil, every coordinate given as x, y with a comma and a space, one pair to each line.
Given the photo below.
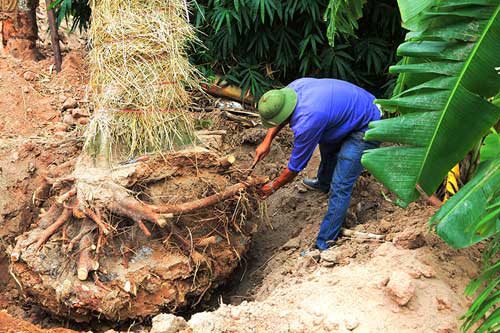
9, 324
276, 289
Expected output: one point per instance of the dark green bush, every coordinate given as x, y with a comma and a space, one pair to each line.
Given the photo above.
258, 44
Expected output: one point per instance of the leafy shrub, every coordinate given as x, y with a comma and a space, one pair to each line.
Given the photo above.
258, 44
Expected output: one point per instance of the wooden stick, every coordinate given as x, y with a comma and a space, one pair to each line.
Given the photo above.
359, 234
54, 36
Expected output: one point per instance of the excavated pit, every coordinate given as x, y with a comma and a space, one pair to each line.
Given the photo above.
140, 268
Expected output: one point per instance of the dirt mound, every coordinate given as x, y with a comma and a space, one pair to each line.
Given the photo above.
355, 297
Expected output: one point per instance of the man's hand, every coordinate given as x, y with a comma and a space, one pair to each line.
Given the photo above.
265, 191
272, 186
262, 151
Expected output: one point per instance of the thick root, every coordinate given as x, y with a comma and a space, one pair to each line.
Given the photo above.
53, 228
86, 261
87, 227
211, 200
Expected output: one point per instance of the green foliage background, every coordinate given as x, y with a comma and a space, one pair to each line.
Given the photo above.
257, 44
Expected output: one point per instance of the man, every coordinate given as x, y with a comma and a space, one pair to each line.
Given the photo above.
334, 114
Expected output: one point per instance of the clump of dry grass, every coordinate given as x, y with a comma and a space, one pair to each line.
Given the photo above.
139, 72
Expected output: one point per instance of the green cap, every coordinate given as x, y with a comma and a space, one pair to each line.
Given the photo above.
276, 105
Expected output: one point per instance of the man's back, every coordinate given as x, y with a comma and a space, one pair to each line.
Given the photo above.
327, 111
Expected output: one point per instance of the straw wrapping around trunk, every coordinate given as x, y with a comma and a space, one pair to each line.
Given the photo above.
139, 73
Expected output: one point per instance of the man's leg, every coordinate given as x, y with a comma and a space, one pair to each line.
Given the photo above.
346, 172
326, 166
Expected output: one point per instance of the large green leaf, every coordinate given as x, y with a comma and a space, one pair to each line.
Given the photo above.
457, 221
491, 147
489, 298
443, 95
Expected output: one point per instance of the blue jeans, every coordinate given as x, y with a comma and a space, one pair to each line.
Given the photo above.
339, 169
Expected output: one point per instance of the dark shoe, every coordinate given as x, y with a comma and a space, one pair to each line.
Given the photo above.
314, 184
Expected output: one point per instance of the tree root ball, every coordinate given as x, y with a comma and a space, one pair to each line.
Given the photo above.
137, 239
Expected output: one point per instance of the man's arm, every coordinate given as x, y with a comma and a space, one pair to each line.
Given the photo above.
283, 179
303, 147
264, 148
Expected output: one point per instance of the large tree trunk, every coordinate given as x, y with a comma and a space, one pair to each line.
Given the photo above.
18, 29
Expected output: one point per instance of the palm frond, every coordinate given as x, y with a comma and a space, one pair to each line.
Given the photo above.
343, 16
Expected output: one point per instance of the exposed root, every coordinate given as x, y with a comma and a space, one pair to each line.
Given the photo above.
65, 215
54, 180
361, 235
99, 211
96, 217
65, 196
143, 227
211, 200
48, 217
86, 227
128, 206
86, 261
99, 283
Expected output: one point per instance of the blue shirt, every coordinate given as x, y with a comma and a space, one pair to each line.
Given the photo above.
327, 111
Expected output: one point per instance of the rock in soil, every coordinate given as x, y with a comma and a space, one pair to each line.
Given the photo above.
68, 119
401, 287
410, 238
77, 113
351, 324
167, 323
29, 76
206, 322
331, 255
70, 103
82, 121
293, 243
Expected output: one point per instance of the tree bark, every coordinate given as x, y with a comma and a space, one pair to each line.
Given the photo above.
18, 28
54, 36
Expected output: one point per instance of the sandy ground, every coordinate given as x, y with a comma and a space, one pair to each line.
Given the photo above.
275, 289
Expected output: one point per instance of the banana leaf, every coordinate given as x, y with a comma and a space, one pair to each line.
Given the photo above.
472, 214
488, 299
445, 80
446, 94
491, 147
